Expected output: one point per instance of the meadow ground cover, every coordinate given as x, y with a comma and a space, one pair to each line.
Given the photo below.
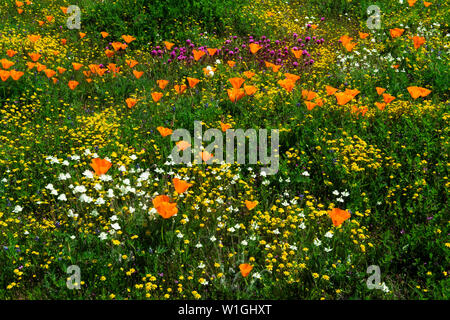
88, 183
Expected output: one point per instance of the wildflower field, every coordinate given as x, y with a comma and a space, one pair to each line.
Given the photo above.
93, 204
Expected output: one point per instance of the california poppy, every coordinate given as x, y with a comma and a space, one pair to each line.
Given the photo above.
11, 53
236, 82
396, 32
349, 46
16, 75
310, 105
76, 65
4, 75
183, 145
131, 63
162, 83
198, 54
192, 82
180, 185
380, 90
164, 207
250, 90
6, 64
331, 90
248, 74
100, 166
418, 41
251, 204
30, 65
245, 269
164, 131
168, 45
274, 67
388, 98
224, 126
130, 102
64, 9
338, 216
231, 63
156, 96
412, 2
427, 4
205, 155
73, 84
211, 51
308, 95
292, 77
363, 35
287, 84
345, 39
180, 88
33, 38
138, 74
109, 53
104, 34
380, 105
49, 73
235, 94
342, 98
417, 92
254, 47
297, 53
82, 35
34, 56
128, 38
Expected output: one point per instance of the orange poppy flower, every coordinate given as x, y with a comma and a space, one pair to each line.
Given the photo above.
331, 90
349, 46
342, 98
76, 65
231, 63
249, 74
116, 45
131, 102
4, 75
245, 269
235, 94
11, 53
180, 185
73, 84
198, 54
100, 166
168, 45
16, 75
292, 77
49, 73
345, 39
319, 102
396, 32
30, 65
192, 82
138, 74
164, 131
160, 199
352, 92
183, 145
412, 2
82, 35
109, 53
236, 82
418, 41
131, 63
224, 126
287, 84
308, 95
205, 155
64, 9
314, 26
40, 67
6, 64
162, 83
274, 67
427, 4
34, 56
165, 208
33, 38
380, 105
250, 90
180, 88
101, 71
128, 38
297, 53
310, 105
251, 204
380, 90
49, 18
211, 51
41, 23
417, 92
338, 216
19, 10
388, 98
63, 42
156, 96
363, 35
19, 4
104, 34
254, 47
